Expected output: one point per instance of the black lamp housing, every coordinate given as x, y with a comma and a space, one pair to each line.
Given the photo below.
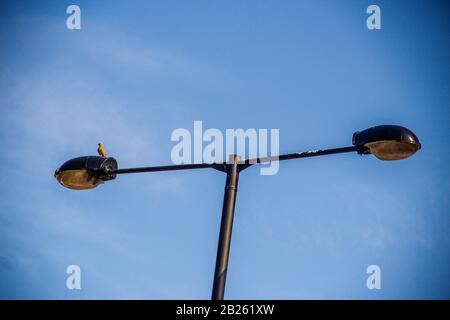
387, 142
86, 172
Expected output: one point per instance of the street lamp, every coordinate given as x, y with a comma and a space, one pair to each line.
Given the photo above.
386, 142
86, 172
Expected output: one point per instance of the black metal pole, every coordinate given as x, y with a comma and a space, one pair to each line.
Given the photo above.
226, 227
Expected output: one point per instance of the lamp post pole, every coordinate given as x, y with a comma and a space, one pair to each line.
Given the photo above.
226, 226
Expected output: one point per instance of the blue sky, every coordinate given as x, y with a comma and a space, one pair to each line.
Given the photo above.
137, 70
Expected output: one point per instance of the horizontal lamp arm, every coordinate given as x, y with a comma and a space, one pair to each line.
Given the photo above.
242, 165
305, 154
165, 168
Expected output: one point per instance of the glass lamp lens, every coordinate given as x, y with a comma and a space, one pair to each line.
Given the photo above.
77, 179
392, 150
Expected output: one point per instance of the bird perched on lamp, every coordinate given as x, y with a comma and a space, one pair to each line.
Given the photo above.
101, 151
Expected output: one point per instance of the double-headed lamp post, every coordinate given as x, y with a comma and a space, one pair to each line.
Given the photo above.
386, 142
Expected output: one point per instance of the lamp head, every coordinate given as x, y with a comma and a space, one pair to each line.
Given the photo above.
86, 172
387, 142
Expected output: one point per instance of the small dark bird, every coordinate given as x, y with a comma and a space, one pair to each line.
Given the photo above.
101, 151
